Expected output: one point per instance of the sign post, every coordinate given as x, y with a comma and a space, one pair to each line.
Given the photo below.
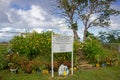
61, 44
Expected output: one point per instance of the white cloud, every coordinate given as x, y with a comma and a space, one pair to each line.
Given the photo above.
36, 16
35, 13
4, 4
6, 29
9, 17
20, 20
37, 29
115, 23
115, 20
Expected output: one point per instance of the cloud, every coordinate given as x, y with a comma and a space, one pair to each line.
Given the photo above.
4, 4
16, 18
35, 16
3, 17
37, 29
115, 19
115, 23
46, 4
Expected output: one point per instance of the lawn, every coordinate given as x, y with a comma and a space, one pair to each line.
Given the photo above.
105, 73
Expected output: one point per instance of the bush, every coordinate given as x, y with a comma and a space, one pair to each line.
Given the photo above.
32, 44
94, 50
112, 58
3, 51
25, 65
3, 63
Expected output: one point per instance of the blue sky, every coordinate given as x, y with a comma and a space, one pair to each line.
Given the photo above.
29, 15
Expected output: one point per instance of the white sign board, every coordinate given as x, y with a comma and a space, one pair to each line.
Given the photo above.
62, 44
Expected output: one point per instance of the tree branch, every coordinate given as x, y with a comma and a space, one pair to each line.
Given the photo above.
92, 23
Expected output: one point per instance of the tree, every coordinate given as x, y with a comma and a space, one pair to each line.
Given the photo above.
68, 8
99, 8
110, 37
85, 10
103, 37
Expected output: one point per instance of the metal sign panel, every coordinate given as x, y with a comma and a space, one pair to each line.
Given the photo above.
62, 43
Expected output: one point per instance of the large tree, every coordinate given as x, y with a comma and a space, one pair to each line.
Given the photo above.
68, 8
91, 13
100, 8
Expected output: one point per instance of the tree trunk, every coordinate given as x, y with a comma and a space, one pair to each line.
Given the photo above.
75, 34
73, 28
84, 35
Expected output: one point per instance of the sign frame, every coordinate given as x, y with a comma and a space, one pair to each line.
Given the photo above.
57, 41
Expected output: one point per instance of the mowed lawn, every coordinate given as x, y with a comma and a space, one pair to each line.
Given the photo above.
105, 73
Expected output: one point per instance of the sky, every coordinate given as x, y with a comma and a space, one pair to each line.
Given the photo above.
29, 15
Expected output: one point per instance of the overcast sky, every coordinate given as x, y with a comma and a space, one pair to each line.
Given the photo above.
29, 15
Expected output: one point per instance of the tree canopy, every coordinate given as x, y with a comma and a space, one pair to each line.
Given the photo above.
91, 13
110, 37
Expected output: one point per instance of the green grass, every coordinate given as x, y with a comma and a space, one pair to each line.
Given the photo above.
3, 48
106, 73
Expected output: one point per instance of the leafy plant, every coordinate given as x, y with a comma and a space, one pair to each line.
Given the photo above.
12, 60
3, 51
12, 65
32, 44
93, 50
3, 63
26, 66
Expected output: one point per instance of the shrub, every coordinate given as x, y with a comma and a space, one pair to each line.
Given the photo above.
32, 44
93, 50
3, 51
3, 63
25, 65
35, 45
112, 58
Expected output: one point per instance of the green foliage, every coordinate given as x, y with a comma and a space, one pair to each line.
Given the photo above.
38, 45
93, 50
3, 51
112, 57
77, 46
78, 53
12, 59
62, 57
3, 63
32, 44
110, 37
97, 52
